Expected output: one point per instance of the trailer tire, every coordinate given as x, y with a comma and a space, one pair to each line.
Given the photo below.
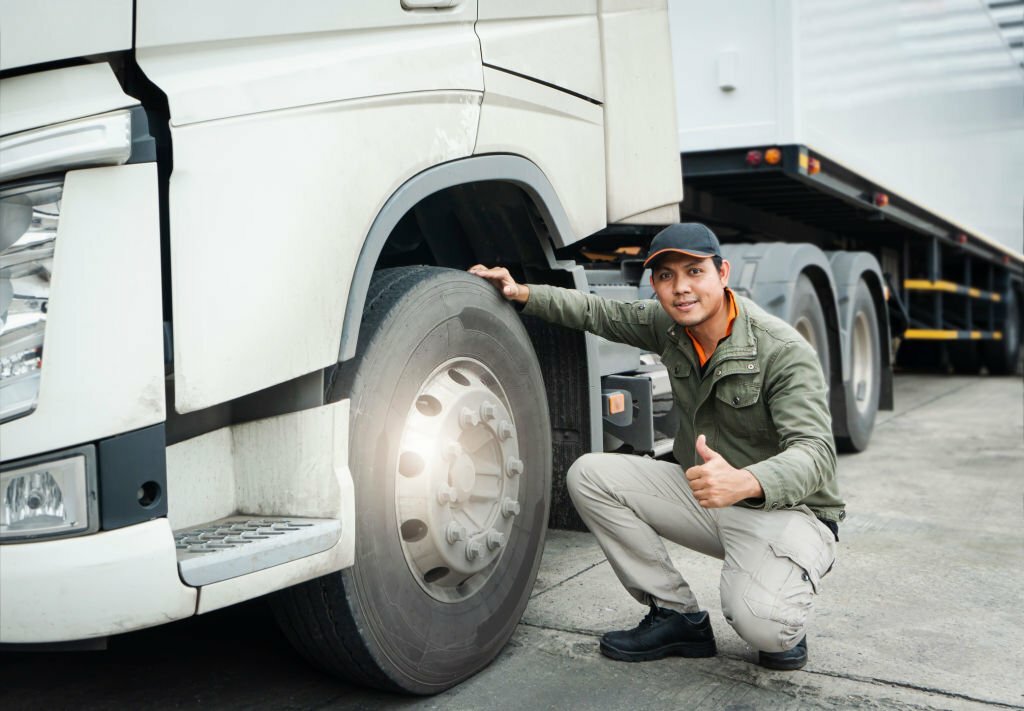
863, 388
444, 365
808, 318
1002, 357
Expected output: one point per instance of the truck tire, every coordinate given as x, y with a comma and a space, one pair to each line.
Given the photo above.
450, 453
1002, 357
808, 318
863, 388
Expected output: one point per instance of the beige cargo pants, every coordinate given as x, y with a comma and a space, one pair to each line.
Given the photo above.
773, 560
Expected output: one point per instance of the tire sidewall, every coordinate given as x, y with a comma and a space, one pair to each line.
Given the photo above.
445, 316
860, 425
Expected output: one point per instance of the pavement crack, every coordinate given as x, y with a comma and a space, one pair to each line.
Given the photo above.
926, 402
570, 630
915, 687
563, 582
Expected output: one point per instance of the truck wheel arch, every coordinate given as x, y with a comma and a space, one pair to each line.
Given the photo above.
512, 169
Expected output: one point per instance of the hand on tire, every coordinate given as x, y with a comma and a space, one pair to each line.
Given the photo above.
503, 282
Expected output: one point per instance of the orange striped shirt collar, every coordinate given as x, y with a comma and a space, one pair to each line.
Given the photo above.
733, 313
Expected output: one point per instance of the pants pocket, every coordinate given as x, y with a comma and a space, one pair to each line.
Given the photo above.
783, 586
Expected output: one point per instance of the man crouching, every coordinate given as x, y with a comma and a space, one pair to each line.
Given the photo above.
755, 485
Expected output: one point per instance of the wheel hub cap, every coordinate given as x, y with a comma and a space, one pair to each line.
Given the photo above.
457, 480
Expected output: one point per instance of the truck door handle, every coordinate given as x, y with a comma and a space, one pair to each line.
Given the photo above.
429, 4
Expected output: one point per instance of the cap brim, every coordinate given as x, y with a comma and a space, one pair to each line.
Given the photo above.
699, 255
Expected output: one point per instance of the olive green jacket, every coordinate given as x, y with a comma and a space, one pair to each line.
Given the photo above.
762, 401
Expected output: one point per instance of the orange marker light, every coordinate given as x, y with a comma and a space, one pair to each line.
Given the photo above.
813, 166
772, 156
881, 199
616, 403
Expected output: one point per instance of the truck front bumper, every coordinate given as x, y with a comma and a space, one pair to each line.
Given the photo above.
92, 586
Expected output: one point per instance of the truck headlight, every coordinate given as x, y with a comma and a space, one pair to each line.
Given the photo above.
29, 214
49, 498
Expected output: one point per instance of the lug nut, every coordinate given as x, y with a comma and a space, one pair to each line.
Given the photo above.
510, 507
447, 495
495, 539
505, 429
454, 533
474, 548
513, 466
469, 418
488, 410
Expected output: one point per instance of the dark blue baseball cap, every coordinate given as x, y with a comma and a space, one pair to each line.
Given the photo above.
690, 238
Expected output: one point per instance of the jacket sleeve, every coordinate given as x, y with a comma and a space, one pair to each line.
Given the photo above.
634, 323
797, 399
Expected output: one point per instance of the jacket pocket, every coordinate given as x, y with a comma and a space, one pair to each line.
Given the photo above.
739, 407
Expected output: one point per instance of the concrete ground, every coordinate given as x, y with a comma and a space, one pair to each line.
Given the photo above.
923, 609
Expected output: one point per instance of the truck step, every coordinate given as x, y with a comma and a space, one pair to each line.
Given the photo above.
238, 545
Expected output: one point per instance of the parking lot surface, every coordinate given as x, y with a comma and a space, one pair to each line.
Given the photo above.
923, 609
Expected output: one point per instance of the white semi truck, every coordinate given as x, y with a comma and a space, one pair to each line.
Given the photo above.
239, 352
240, 355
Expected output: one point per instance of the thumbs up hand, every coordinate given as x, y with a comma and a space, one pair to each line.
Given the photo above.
716, 483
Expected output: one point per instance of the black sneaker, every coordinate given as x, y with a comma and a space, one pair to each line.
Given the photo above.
789, 660
662, 633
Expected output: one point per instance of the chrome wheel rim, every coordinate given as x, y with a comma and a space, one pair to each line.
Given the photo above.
862, 372
457, 479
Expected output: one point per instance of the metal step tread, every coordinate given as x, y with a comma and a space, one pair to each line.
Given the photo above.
240, 544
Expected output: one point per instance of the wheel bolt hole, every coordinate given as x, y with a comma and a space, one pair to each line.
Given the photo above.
428, 405
458, 377
413, 530
435, 574
410, 464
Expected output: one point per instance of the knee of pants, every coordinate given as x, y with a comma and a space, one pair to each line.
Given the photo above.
581, 477
769, 620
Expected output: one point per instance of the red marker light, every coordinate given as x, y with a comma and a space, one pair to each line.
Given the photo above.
813, 166
772, 156
754, 158
961, 238
881, 199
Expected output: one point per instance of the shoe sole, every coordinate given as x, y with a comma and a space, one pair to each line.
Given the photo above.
786, 666
690, 650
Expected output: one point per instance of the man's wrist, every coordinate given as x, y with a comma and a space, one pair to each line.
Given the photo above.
754, 490
523, 294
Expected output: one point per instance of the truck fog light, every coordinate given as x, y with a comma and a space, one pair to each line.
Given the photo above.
54, 498
29, 214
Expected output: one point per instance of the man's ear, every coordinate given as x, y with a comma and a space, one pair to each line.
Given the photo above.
723, 272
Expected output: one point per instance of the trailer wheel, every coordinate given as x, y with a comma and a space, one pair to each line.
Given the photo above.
808, 318
864, 385
1002, 357
451, 455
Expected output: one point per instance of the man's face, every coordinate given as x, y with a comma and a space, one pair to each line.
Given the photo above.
690, 289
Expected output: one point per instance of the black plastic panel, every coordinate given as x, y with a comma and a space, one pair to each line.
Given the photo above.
132, 478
